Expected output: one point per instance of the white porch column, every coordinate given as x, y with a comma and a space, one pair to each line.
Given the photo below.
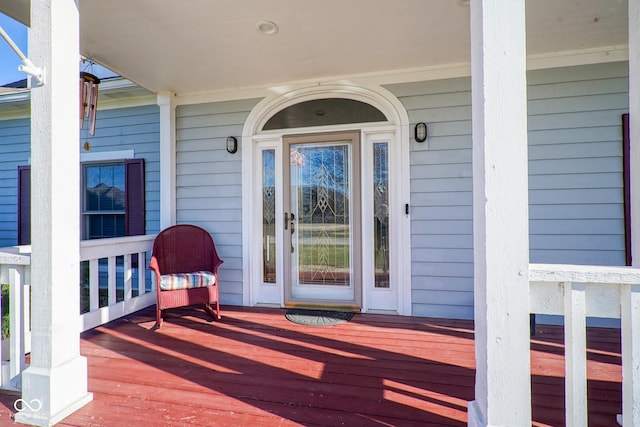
166, 102
634, 126
631, 296
500, 214
55, 384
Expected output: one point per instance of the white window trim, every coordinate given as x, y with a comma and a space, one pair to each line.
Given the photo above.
107, 156
104, 156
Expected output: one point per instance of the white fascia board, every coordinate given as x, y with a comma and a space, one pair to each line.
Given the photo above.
578, 57
116, 83
16, 103
534, 62
15, 95
14, 112
437, 72
136, 101
20, 94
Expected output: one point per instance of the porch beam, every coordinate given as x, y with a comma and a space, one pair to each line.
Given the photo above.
166, 102
55, 384
634, 126
500, 214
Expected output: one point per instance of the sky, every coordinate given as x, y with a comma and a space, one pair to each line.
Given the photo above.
9, 61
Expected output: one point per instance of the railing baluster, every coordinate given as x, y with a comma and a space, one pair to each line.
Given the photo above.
16, 338
127, 277
26, 312
630, 308
575, 341
94, 285
111, 280
142, 270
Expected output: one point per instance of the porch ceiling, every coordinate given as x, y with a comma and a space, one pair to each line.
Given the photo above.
201, 45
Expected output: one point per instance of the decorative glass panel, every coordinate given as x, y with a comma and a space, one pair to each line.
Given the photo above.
323, 112
381, 214
320, 191
268, 216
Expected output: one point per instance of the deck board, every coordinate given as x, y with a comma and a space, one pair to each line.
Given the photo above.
255, 368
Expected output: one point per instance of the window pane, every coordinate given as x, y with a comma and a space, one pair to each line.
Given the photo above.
103, 282
91, 182
268, 216
100, 226
119, 278
84, 287
104, 187
381, 214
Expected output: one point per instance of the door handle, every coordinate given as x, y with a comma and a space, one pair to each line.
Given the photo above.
293, 224
286, 221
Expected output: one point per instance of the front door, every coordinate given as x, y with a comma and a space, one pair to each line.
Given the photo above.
321, 219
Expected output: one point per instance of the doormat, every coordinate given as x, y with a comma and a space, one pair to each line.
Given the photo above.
317, 317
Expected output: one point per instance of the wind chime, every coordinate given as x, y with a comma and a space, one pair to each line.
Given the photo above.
88, 100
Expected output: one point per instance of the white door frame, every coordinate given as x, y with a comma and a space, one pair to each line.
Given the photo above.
252, 138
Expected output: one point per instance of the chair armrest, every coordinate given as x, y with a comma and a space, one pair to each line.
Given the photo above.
153, 266
216, 263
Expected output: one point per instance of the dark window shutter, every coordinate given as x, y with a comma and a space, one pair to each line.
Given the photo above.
626, 173
24, 205
134, 204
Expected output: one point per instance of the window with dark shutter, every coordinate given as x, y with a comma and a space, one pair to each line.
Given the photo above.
134, 205
24, 205
98, 221
113, 199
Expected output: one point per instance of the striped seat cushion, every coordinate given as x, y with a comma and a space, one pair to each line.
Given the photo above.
197, 279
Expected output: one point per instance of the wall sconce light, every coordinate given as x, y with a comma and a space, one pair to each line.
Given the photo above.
232, 144
420, 132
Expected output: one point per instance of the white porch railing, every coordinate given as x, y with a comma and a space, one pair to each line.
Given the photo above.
573, 291
15, 270
580, 291
109, 249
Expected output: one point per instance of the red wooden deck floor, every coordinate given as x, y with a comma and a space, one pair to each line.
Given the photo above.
255, 368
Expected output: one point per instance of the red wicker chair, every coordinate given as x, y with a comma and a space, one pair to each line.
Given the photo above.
185, 263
